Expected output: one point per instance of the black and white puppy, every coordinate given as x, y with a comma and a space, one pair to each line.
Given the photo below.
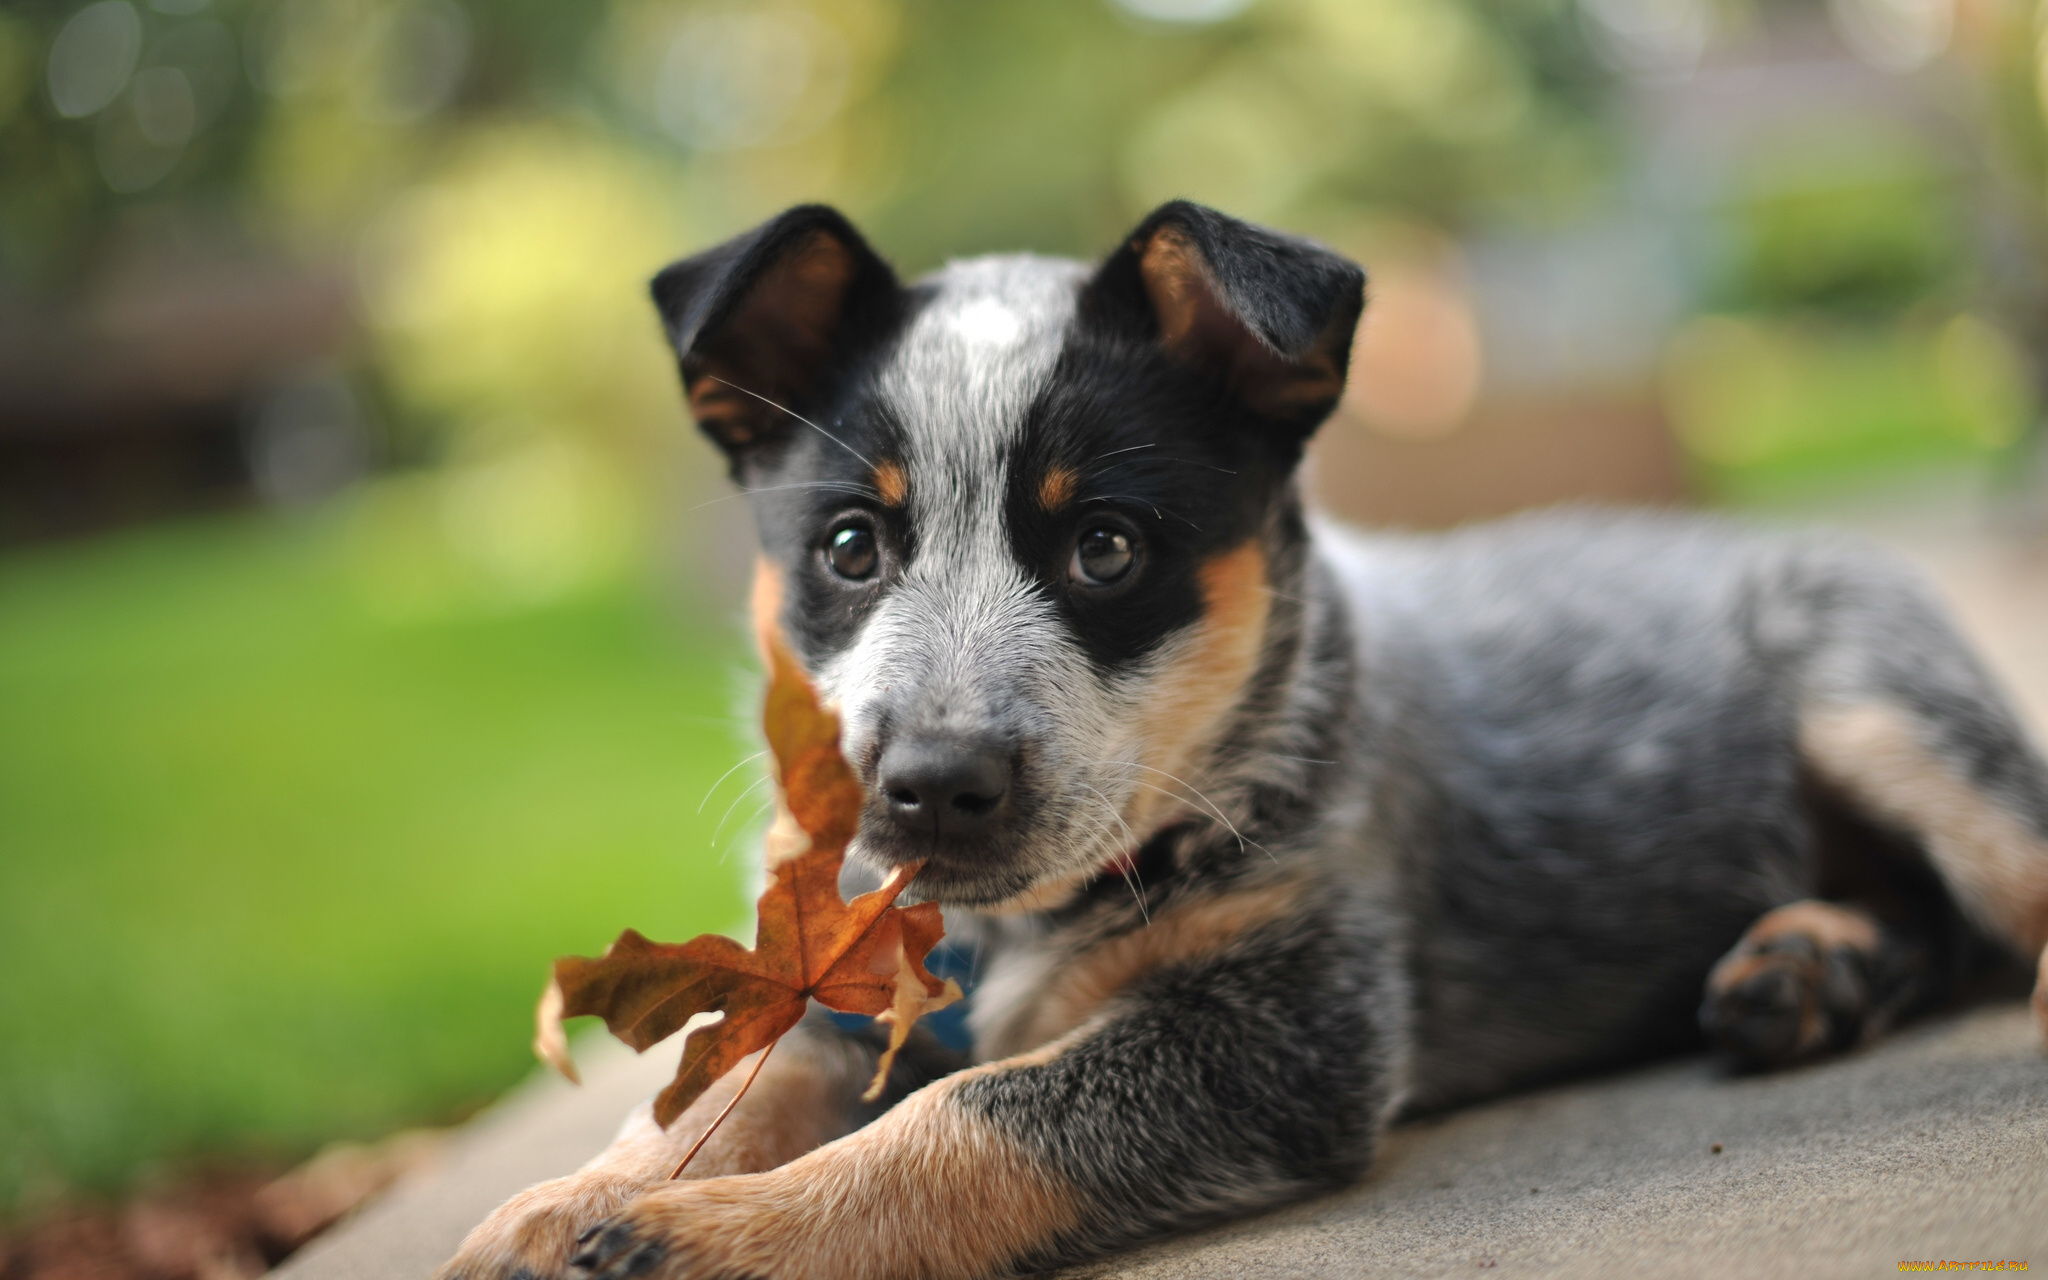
1268, 831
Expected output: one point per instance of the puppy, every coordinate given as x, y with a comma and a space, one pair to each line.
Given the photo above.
1265, 831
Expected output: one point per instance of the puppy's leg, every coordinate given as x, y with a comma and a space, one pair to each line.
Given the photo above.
807, 1094
1971, 793
1211, 1084
1897, 718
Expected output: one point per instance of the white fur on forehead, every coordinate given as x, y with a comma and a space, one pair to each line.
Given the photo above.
973, 358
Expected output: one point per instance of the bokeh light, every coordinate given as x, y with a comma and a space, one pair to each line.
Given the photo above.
93, 56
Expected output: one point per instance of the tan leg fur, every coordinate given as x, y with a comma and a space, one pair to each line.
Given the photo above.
928, 1191
796, 1105
925, 1192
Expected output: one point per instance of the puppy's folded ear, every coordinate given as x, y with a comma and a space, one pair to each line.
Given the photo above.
761, 323
1273, 314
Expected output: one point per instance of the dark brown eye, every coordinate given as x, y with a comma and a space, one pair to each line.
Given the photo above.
1102, 556
852, 553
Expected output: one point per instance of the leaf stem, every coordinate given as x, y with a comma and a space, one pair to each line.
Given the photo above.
745, 1085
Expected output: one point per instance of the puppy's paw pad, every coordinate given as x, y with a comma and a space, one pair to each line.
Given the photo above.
617, 1250
531, 1236
1765, 1013
676, 1233
1797, 986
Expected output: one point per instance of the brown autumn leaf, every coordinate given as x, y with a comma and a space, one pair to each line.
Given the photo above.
865, 956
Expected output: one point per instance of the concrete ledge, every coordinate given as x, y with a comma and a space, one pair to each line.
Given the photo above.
1931, 1145
543, 1129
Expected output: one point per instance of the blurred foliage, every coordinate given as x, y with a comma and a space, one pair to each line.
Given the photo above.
1840, 346
1768, 407
1859, 224
2010, 46
495, 292
2008, 43
950, 128
1881, 302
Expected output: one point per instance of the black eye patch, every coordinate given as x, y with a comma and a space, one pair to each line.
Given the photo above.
1129, 474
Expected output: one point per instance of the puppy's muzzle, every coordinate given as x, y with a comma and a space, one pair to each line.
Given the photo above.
944, 787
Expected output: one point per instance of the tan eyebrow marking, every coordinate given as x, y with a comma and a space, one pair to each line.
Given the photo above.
1056, 490
892, 483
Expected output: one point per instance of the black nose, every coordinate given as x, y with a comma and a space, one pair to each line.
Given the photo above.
944, 786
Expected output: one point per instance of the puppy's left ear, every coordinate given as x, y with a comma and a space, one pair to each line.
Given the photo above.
1272, 313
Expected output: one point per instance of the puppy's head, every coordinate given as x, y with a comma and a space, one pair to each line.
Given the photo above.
1020, 519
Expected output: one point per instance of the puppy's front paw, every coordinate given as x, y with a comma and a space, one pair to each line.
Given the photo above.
531, 1236
1802, 982
710, 1230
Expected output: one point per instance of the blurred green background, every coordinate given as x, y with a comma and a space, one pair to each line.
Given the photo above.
366, 601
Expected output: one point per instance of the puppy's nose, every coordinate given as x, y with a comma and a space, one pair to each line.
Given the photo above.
943, 786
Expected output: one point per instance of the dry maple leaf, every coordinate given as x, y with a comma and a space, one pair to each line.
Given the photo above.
865, 956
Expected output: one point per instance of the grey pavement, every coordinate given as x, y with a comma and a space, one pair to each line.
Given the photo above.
1931, 1145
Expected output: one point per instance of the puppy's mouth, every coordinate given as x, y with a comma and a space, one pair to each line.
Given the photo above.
981, 841
1023, 839
982, 871
959, 872
1012, 881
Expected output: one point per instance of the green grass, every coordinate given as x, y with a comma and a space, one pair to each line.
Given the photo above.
276, 868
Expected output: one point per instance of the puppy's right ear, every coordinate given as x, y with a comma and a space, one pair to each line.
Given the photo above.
761, 322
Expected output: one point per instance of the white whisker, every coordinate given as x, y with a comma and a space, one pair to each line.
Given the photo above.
1129, 834
1129, 873
1196, 792
1156, 513
1186, 462
800, 418
1114, 452
727, 774
1282, 595
841, 486
720, 828
752, 818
